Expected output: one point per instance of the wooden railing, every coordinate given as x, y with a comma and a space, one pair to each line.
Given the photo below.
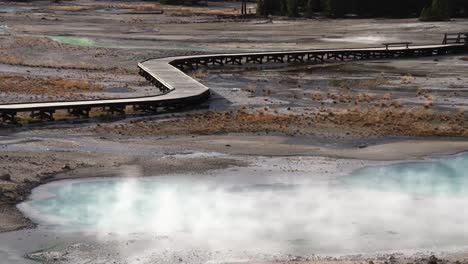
455, 38
397, 44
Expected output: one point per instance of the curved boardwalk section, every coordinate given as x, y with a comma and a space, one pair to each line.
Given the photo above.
180, 90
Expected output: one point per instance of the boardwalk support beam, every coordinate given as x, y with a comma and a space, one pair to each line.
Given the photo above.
43, 114
146, 108
79, 111
9, 117
119, 109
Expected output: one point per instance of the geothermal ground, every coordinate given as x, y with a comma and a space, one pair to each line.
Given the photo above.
263, 126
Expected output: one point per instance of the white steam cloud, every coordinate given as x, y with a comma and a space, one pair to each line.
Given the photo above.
339, 216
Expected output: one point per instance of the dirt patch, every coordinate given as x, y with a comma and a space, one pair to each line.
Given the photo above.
366, 84
180, 10
374, 121
45, 52
140, 7
46, 86
72, 8
349, 98
146, 7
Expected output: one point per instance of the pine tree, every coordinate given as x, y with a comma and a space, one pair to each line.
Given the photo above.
336, 8
292, 8
438, 10
312, 7
261, 8
268, 7
284, 7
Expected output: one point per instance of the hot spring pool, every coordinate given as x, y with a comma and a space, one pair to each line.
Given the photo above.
411, 205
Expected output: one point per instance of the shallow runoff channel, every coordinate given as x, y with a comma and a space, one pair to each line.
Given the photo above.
404, 206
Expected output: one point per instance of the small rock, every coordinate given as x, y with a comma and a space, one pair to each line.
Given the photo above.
5, 177
432, 260
27, 181
298, 259
66, 167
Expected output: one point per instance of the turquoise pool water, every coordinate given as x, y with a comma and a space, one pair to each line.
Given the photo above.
411, 205
79, 41
442, 177
119, 44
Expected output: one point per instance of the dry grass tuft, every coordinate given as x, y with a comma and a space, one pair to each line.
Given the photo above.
345, 98
407, 79
180, 10
361, 122
194, 11
141, 7
29, 51
72, 8
361, 83
12, 60
149, 7
45, 86
429, 101
199, 74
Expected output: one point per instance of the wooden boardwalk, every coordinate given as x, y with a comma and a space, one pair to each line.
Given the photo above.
180, 90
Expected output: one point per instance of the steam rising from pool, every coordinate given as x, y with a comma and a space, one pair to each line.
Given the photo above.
414, 205
360, 39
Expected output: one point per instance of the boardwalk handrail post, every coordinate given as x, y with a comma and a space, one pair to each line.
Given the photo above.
405, 43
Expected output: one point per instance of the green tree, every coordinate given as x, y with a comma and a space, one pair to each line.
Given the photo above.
268, 7
312, 6
261, 8
172, 2
458, 8
336, 8
438, 10
293, 8
284, 7
426, 9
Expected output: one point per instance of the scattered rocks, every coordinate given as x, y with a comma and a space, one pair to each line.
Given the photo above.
47, 257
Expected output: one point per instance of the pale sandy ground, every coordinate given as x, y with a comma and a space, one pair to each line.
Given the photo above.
281, 146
